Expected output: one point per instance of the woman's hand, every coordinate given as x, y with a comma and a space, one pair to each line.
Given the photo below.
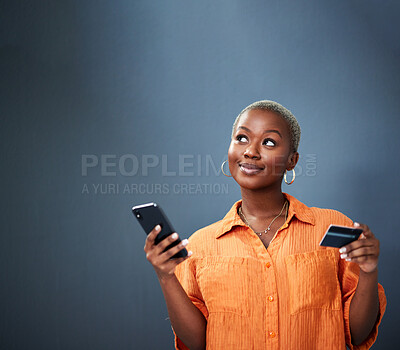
163, 265
364, 251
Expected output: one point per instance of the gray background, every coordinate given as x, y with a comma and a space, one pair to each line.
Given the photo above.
134, 78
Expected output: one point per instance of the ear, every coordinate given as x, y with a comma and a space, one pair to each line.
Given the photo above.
292, 161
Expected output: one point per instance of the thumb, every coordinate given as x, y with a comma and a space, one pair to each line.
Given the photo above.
362, 236
366, 231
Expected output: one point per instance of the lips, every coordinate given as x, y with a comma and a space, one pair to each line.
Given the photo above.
250, 169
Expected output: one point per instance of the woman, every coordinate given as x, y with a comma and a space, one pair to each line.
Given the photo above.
258, 279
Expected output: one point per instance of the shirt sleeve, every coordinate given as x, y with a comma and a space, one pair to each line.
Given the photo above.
186, 274
349, 274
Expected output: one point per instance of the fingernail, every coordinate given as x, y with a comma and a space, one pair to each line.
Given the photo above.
158, 228
356, 224
185, 242
348, 259
342, 250
190, 253
174, 236
343, 256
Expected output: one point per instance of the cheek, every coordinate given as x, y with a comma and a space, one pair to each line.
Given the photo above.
278, 161
232, 158
231, 152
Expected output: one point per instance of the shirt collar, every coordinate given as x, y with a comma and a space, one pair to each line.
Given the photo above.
296, 208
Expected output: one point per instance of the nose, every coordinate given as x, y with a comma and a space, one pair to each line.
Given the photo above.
252, 152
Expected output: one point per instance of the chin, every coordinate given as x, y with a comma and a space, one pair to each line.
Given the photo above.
256, 182
251, 183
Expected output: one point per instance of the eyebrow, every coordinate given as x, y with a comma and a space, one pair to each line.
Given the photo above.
265, 131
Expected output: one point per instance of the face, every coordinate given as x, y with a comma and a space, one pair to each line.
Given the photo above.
260, 150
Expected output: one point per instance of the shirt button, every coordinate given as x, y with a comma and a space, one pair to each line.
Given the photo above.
271, 298
271, 334
268, 265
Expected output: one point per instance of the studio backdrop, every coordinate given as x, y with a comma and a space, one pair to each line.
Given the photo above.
110, 104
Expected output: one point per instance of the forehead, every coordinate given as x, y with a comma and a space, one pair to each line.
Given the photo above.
258, 120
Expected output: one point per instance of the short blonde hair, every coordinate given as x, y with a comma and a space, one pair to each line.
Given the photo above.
283, 112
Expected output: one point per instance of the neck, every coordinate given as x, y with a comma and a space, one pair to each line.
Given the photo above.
262, 204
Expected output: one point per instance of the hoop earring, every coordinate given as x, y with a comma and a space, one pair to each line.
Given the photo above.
284, 177
222, 168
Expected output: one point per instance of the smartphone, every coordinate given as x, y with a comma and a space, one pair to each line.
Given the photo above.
338, 236
149, 215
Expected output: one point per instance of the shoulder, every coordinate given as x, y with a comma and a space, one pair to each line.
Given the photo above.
205, 240
318, 216
330, 216
204, 236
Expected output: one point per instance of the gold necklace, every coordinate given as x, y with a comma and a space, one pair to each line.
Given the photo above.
269, 226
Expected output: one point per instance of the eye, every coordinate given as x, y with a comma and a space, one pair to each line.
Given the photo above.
241, 138
269, 142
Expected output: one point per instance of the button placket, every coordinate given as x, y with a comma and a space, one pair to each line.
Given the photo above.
271, 306
272, 334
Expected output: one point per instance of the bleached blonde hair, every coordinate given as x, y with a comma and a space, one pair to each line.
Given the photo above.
283, 112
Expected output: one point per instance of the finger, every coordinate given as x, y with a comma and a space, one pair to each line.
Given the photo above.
357, 245
368, 234
151, 237
174, 250
183, 258
360, 252
175, 262
363, 259
371, 261
172, 263
157, 251
366, 230
168, 267
160, 247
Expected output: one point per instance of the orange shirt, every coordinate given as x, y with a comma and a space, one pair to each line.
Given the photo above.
293, 295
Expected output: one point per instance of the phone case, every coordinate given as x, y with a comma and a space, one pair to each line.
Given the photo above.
149, 215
